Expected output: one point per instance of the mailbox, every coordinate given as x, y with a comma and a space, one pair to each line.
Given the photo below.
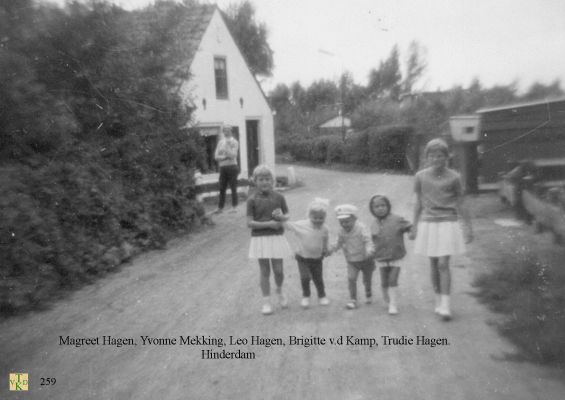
465, 128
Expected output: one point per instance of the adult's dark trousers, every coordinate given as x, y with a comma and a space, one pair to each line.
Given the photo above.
228, 177
311, 268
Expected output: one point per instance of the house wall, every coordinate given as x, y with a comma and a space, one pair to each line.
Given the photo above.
520, 133
217, 41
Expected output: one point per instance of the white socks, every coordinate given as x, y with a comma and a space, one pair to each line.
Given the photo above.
393, 297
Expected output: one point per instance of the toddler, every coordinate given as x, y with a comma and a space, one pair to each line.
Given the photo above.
357, 246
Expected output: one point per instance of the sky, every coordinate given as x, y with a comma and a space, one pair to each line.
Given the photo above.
497, 41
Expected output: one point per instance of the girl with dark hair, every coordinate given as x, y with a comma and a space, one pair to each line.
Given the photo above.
387, 232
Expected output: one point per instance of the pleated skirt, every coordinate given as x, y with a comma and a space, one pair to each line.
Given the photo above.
274, 246
438, 239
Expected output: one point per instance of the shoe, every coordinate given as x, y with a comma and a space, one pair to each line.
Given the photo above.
369, 300
352, 305
324, 301
283, 301
444, 310
305, 302
218, 211
233, 210
267, 309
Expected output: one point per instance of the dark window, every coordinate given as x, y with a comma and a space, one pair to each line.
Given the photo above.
221, 74
469, 129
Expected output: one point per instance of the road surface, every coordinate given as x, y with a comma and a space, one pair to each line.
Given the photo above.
203, 286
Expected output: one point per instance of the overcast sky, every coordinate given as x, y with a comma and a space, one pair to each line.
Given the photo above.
497, 41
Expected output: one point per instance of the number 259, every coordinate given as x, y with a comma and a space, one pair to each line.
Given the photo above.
48, 381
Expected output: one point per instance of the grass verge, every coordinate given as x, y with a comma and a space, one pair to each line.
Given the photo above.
522, 278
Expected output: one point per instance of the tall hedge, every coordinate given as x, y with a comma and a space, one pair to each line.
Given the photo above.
94, 162
386, 147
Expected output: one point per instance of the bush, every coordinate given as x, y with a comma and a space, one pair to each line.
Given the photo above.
388, 147
94, 166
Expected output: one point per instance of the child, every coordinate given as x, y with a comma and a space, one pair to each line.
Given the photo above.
312, 235
357, 246
268, 245
439, 204
387, 231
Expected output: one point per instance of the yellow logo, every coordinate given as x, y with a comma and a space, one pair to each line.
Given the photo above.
18, 382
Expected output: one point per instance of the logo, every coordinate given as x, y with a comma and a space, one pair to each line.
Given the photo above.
18, 382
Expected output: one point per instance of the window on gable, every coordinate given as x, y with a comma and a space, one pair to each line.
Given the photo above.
221, 75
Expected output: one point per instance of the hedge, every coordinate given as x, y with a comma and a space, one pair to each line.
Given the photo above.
382, 147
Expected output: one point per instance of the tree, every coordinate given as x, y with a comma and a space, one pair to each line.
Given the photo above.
385, 82
280, 97
321, 93
297, 94
540, 91
251, 37
415, 66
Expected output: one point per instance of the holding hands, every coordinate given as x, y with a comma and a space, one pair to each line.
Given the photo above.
278, 215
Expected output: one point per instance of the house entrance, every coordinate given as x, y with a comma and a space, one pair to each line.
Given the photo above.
252, 130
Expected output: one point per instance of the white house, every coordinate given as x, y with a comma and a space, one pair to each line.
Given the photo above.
224, 92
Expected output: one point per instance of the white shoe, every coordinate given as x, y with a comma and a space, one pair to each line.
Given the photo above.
267, 309
305, 302
351, 305
444, 308
324, 301
283, 301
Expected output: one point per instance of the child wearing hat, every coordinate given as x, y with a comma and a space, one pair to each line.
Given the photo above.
355, 240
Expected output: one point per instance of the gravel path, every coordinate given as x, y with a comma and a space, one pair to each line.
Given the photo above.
203, 286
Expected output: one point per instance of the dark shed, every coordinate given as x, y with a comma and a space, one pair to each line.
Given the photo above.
525, 131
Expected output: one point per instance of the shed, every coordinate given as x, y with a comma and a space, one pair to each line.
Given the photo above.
534, 130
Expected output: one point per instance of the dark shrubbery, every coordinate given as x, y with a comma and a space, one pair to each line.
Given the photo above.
93, 164
383, 148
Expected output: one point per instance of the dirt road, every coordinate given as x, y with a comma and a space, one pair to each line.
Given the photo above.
204, 286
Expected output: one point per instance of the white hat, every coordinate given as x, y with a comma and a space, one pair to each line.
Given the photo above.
345, 211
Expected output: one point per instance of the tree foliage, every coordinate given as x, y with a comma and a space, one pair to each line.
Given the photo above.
251, 36
386, 80
415, 66
94, 159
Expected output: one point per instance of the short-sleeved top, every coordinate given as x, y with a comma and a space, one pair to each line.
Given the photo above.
311, 240
388, 237
260, 206
438, 195
356, 244
227, 148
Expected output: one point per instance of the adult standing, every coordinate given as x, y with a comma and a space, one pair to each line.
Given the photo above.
226, 156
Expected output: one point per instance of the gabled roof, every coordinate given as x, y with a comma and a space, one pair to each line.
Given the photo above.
336, 122
192, 22
195, 25
191, 30
520, 105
